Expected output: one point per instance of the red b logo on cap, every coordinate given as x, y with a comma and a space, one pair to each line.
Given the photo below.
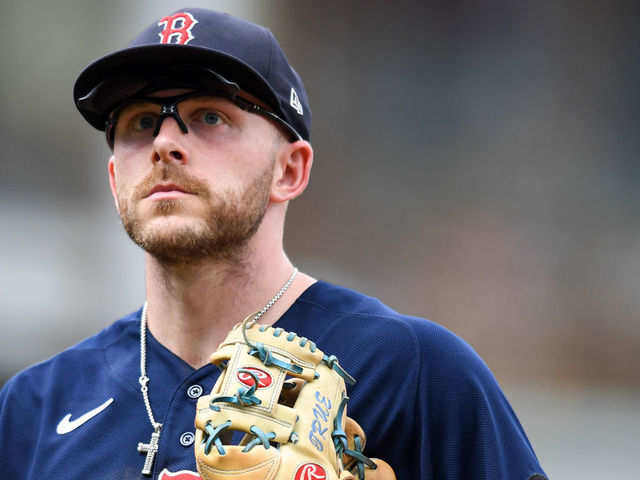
177, 26
311, 471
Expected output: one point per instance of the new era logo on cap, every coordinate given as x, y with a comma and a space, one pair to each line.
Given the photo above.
177, 28
295, 102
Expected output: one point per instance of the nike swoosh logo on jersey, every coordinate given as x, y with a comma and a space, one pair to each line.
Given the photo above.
67, 425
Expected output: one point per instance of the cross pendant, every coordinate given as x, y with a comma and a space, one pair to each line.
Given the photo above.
150, 449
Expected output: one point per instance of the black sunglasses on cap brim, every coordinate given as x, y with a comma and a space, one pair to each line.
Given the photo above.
121, 88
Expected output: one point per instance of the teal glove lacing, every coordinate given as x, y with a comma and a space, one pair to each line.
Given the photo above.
340, 441
213, 437
244, 397
266, 357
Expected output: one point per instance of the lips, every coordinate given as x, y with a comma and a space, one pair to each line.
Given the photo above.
167, 190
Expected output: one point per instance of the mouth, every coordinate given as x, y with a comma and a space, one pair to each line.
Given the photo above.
164, 191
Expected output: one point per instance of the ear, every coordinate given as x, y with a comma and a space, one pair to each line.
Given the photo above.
112, 181
292, 170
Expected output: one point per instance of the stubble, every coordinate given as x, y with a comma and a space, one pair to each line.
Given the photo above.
221, 234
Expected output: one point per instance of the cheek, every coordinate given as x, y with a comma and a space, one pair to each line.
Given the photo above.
129, 162
243, 160
219, 164
125, 181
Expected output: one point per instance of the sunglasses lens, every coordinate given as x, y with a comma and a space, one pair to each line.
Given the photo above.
201, 78
111, 92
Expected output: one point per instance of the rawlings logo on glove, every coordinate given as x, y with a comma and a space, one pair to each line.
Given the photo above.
289, 401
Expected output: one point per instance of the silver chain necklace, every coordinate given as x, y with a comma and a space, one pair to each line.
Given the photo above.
151, 448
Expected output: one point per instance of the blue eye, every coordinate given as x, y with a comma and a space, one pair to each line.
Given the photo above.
211, 118
145, 122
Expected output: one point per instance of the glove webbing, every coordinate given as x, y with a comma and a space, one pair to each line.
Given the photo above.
244, 397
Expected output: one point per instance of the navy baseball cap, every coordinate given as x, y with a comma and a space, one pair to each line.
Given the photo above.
237, 54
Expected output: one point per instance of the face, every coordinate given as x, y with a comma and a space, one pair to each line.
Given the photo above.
184, 197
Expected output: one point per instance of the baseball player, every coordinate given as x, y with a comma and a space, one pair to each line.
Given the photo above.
209, 127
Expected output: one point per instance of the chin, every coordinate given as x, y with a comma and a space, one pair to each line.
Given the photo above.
173, 221
174, 228
173, 244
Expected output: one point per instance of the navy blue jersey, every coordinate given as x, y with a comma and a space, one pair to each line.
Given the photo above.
429, 406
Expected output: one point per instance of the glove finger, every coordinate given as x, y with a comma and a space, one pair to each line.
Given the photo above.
383, 472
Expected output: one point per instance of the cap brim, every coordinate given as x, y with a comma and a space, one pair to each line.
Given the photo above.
155, 58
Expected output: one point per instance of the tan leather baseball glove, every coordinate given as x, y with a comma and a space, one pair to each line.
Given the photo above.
288, 399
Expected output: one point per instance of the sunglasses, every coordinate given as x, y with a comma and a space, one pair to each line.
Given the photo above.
109, 95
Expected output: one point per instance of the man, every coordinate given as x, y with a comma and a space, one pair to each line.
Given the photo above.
209, 127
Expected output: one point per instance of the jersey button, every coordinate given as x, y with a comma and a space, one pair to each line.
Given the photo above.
194, 391
187, 439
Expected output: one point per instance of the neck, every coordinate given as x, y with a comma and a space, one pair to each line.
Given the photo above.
191, 308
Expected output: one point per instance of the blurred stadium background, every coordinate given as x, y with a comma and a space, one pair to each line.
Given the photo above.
476, 164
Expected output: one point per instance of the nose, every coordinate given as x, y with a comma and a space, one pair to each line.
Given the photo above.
168, 145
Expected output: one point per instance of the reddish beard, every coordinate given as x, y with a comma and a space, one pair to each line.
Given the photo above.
221, 234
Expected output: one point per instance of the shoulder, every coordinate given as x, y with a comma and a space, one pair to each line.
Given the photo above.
85, 358
338, 311
415, 356
76, 380
434, 360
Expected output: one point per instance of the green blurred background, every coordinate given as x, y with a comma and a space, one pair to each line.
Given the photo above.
476, 164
